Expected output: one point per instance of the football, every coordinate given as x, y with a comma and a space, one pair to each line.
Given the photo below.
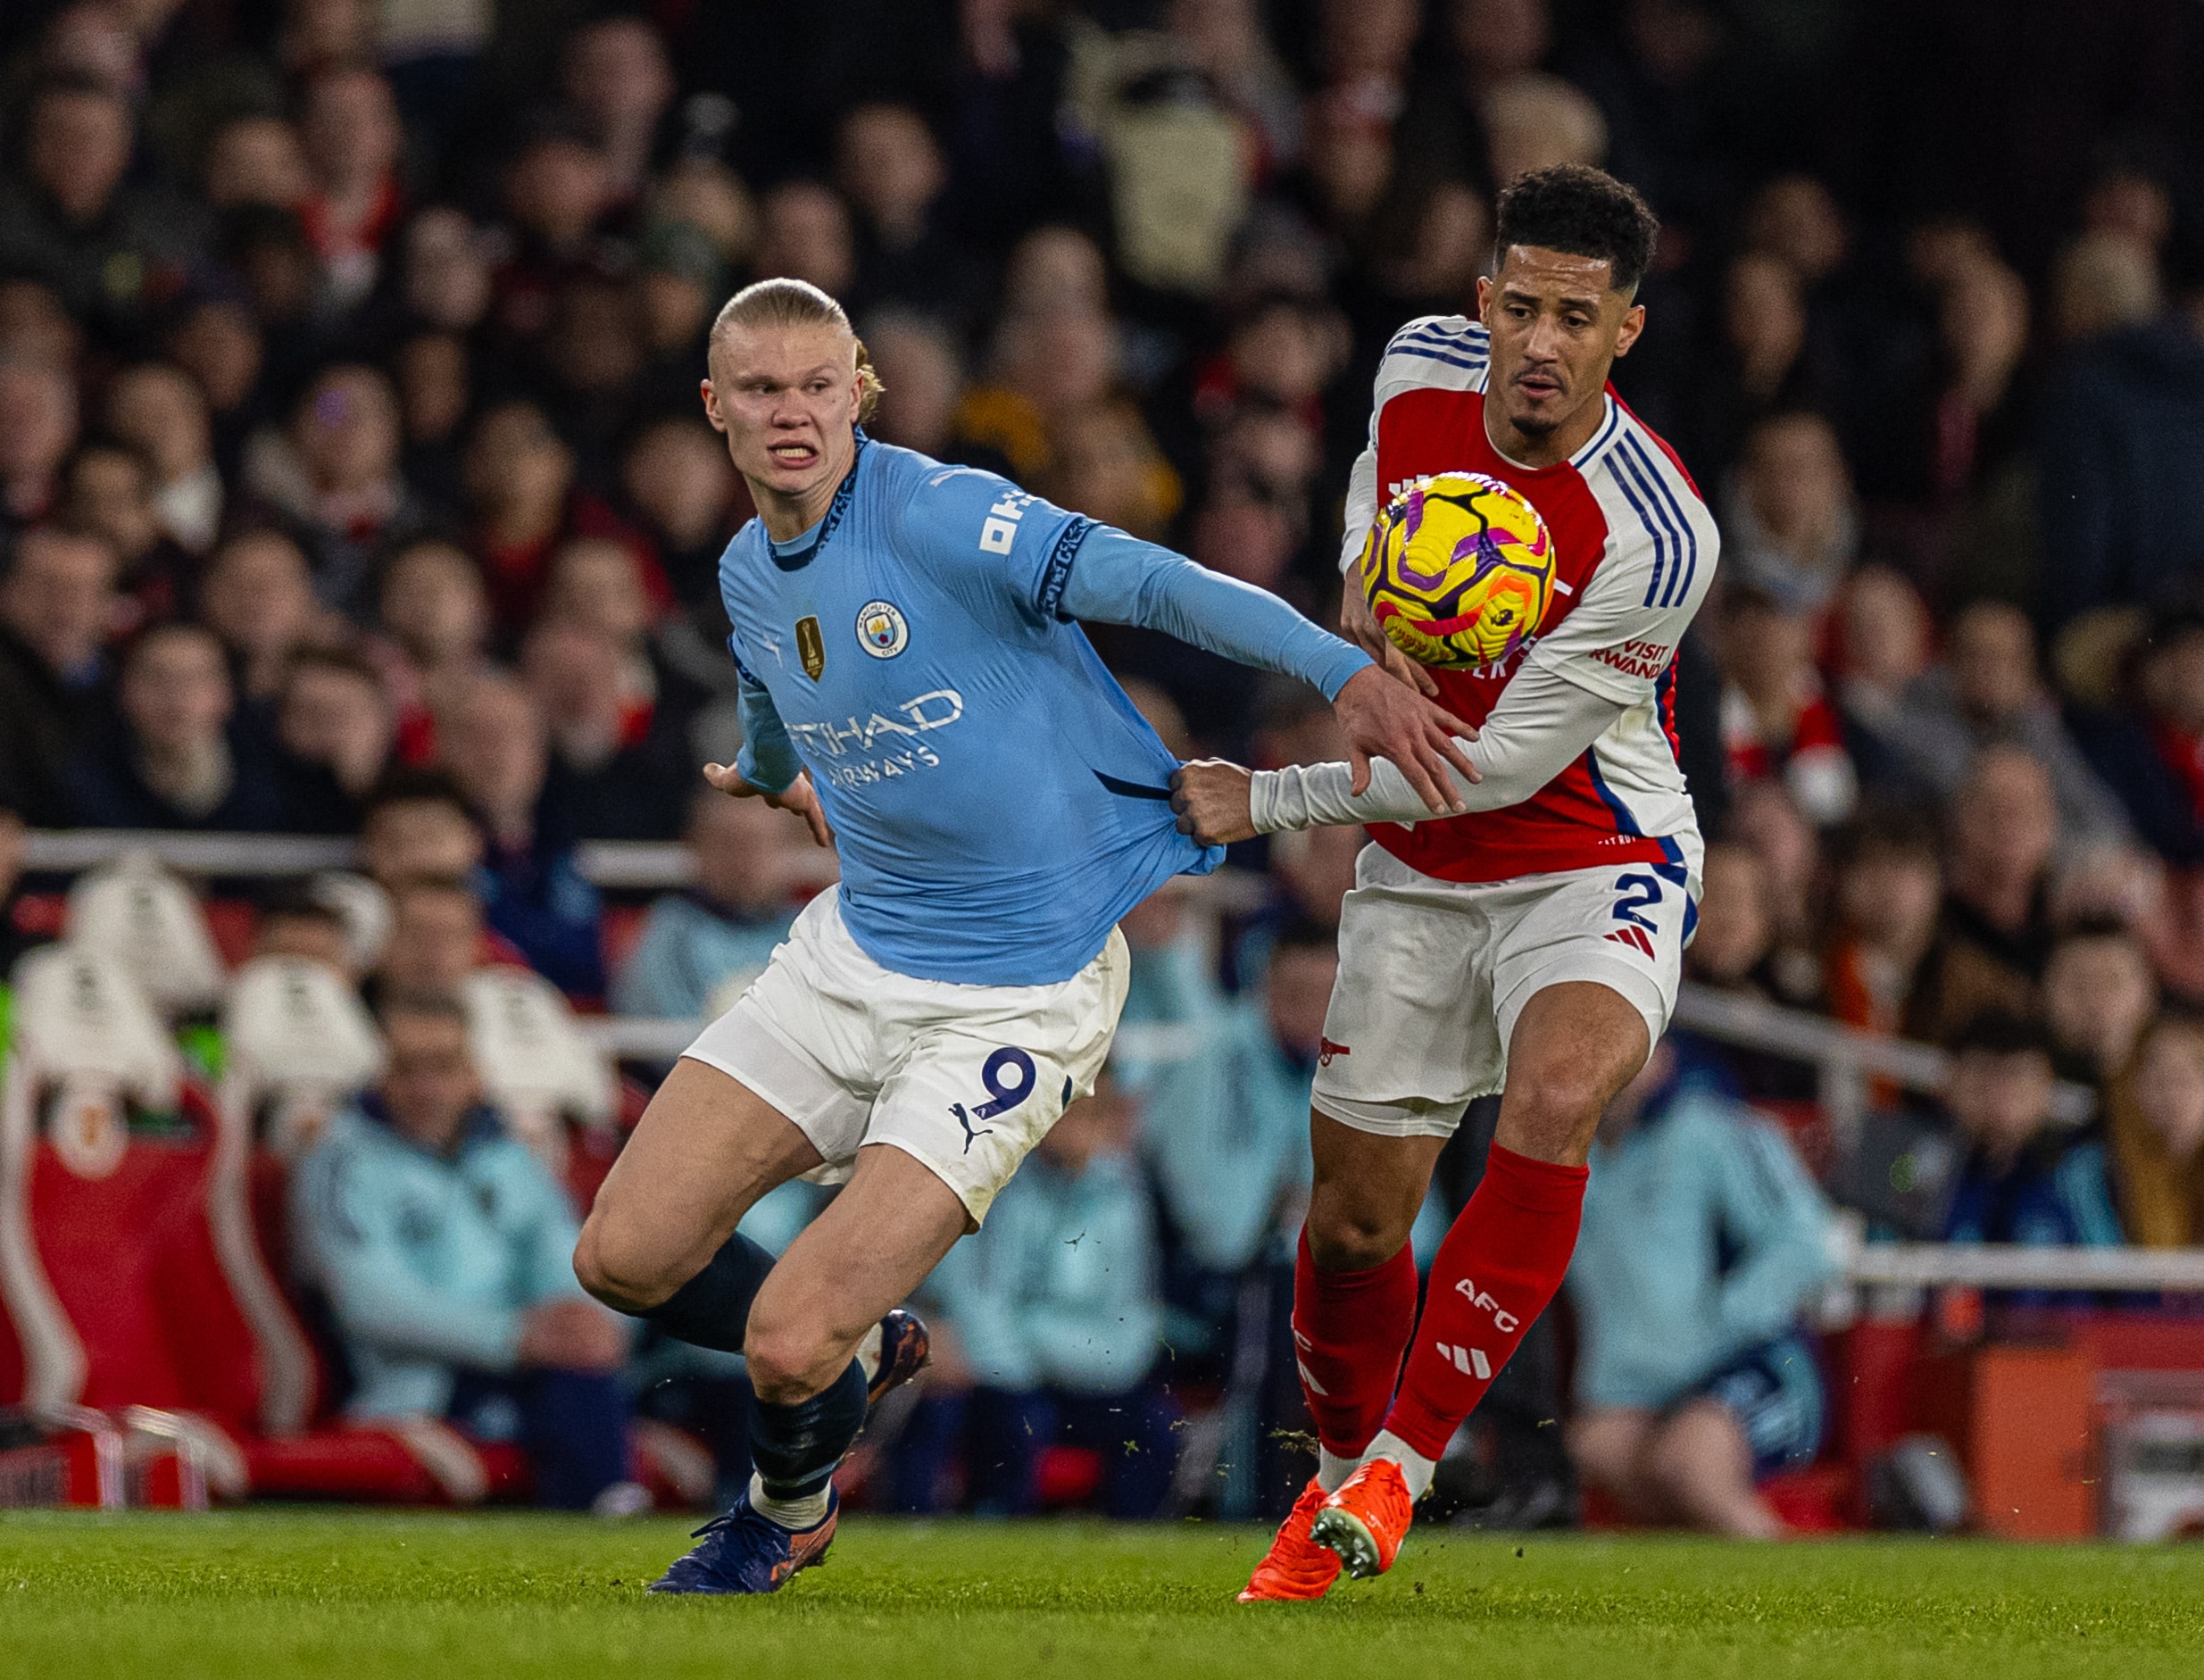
1459, 569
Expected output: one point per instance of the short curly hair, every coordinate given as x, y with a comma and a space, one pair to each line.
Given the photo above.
1584, 212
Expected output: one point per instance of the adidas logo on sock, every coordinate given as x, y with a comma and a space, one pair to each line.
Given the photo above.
1468, 1362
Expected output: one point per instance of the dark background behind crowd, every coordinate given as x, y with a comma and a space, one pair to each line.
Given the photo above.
352, 470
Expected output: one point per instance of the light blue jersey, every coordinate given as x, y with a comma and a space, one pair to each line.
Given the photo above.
998, 803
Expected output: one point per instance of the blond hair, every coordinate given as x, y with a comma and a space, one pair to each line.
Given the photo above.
787, 302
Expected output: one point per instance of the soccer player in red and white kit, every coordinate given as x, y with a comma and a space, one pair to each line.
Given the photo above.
1530, 945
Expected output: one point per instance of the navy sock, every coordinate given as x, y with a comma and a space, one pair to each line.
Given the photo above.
574, 1427
796, 1448
712, 1309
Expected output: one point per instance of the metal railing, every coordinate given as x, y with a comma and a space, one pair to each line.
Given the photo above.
627, 865
1846, 1061
1914, 1266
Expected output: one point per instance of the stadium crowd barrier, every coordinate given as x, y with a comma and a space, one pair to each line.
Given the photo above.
1846, 1061
620, 865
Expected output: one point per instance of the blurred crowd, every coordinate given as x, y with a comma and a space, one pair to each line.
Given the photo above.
353, 481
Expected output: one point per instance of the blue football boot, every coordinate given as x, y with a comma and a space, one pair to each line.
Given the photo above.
905, 1347
744, 1552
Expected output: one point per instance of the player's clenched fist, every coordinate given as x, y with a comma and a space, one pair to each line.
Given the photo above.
1211, 797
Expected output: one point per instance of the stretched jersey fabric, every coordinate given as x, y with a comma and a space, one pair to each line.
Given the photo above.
997, 801
1636, 550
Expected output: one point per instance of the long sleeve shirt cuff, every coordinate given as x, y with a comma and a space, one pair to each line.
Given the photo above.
1542, 722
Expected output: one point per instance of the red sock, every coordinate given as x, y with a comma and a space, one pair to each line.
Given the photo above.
1494, 1273
1350, 1330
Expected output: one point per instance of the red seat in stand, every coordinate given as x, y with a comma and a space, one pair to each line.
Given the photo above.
144, 1286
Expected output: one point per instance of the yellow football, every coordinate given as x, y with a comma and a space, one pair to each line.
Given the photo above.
1459, 570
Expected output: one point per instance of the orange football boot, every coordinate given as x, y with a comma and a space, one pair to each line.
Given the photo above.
1366, 1521
1294, 1567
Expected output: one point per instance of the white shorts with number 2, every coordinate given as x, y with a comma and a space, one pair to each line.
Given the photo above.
965, 1078
1432, 974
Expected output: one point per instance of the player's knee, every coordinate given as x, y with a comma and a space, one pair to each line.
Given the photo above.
788, 1361
1550, 1113
615, 1268
1347, 1236
589, 1267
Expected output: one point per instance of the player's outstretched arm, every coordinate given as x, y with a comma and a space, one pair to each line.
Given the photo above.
1119, 579
799, 796
1544, 722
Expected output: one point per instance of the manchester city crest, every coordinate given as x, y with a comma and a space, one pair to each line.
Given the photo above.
881, 629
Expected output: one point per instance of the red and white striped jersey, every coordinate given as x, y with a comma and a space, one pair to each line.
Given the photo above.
1636, 550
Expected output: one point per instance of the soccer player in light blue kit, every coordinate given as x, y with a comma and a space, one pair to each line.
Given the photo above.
913, 686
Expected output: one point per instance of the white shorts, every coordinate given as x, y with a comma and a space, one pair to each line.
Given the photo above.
1432, 974
965, 1078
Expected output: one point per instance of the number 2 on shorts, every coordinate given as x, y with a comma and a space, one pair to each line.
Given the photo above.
1646, 893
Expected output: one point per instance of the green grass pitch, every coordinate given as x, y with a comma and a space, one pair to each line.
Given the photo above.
435, 1597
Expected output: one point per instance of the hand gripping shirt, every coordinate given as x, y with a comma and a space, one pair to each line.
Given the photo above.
1635, 551
997, 801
